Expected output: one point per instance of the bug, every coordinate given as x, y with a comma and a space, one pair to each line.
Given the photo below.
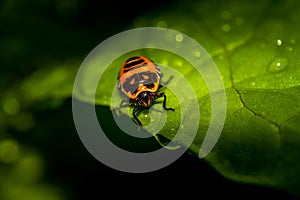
139, 79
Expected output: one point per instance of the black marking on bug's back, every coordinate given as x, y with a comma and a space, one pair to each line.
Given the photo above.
133, 58
135, 67
152, 77
133, 63
150, 86
131, 87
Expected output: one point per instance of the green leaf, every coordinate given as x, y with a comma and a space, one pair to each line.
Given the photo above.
257, 57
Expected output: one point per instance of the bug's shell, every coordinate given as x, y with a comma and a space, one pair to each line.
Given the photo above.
138, 74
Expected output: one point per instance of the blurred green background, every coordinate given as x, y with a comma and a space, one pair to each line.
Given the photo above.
43, 43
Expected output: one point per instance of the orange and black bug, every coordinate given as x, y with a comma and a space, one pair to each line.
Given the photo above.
139, 79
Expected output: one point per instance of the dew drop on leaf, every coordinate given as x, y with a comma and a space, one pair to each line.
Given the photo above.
197, 54
278, 65
179, 37
164, 62
289, 48
226, 27
179, 63
279, 42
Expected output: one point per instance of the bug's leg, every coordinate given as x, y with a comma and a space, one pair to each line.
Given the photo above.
124, 103
165, 101
135, 117
117, 109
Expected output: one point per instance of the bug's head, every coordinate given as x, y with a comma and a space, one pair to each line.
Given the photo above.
145, 99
